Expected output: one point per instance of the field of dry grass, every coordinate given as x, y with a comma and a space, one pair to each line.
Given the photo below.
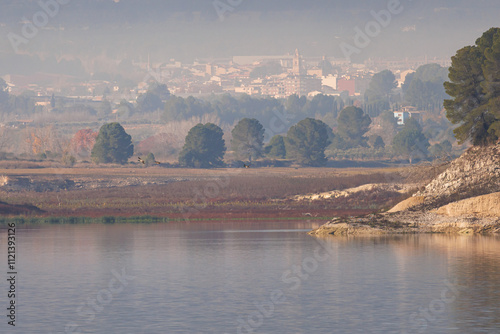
197, 193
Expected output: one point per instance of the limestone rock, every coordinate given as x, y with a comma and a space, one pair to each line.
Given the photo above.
474, 173
463, 199
479, 206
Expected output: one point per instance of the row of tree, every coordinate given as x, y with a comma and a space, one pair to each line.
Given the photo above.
230, 109
474, 105
305, 143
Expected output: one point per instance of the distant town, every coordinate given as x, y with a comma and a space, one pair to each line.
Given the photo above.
264, 76
44, 114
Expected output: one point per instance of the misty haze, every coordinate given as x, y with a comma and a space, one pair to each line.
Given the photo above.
249, 166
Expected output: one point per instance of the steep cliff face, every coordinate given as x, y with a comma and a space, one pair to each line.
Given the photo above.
474, 173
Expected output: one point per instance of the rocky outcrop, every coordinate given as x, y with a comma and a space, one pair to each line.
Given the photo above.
474, 173
408, 222
465, 198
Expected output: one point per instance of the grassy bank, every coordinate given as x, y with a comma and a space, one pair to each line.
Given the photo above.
34, 221
21, 222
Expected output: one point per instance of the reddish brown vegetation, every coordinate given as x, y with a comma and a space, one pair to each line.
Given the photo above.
83, 141
162, 144
258, 194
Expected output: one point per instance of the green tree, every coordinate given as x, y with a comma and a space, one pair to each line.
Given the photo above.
411, 141
442, 149
378, 143
306, 142
474, 87
52, 101
378, 94
383, 83
177, 108
4, 96
150, 159
295, 104
204, 147
125, 109
321, 105
159, 90
389, 125
104, 108
248, 138
424, 88
149, 102
352, 125
425, 95
276, 147
113, 145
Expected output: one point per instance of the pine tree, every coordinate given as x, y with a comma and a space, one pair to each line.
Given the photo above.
248, 137
113, 145
204, 147
352, 125
474, 86
276, 147
411, 141
378, 143
306, 142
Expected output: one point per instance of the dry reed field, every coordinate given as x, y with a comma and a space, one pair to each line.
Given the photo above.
96, 191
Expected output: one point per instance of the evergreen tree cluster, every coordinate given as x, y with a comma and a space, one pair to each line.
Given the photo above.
378, 95
475, 90
424, 88
231, 109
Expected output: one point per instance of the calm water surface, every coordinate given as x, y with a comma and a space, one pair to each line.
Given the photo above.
249, 278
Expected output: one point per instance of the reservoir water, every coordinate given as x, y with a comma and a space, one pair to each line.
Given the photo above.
248, 277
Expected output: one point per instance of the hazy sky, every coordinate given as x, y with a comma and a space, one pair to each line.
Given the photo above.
191, 29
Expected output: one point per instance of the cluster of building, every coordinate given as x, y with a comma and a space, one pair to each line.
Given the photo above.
279, 77
299, 75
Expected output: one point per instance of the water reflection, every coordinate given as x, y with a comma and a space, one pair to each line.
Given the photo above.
254, 276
